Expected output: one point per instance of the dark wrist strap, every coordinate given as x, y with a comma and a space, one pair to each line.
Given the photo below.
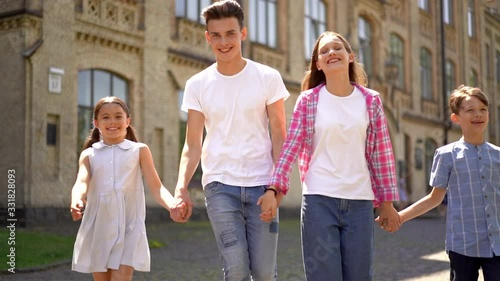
274, 190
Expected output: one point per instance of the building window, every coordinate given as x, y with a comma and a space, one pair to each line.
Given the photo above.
471, 19
397, 57
497, 62
93, 85
450, 82
263, 22
498, 122
424, 5
489, 66
448, 12
191, 9
365, 45
315, 23
473, 79
426, 74
430, 149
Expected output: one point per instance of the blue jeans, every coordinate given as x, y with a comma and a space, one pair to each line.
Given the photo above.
337, 238
247, 245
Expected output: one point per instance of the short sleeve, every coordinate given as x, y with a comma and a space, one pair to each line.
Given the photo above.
277, 89
190, 99
441, 169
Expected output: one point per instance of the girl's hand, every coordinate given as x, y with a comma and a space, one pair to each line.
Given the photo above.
77, 209
268, 205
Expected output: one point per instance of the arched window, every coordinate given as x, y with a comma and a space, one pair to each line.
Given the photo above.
426, 74
315, 23
397, 57
473, 79
450, 82
94, 84
365, 45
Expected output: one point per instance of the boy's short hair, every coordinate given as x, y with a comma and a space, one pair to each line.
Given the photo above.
223, 9
459, 94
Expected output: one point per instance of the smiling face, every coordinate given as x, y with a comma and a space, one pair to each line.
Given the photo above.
224, 37
332, 55
473, 116
112, 122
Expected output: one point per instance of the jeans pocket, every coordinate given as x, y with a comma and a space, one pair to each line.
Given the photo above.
211, 188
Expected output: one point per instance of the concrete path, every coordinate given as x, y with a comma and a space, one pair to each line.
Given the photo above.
414, 253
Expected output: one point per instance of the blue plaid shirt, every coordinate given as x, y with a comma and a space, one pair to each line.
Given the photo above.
472, 175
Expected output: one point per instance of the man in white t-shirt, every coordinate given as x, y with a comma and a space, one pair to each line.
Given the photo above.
241, 105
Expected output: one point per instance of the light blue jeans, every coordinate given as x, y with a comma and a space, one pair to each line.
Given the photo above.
337, 238
247, 245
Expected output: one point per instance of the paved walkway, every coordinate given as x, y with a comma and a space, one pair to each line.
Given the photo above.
414, 253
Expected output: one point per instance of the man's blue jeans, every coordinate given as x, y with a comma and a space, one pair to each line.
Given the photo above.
247, 244
337, 238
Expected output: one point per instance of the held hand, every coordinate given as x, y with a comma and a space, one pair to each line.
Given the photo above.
268, 205
389, 219
77, 209
183, 207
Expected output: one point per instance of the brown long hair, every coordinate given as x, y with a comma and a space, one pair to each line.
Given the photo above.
94, 135
314, 77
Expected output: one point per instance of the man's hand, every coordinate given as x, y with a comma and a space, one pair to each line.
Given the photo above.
183, 207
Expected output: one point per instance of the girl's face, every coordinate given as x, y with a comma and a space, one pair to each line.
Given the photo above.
112, 122
332, 55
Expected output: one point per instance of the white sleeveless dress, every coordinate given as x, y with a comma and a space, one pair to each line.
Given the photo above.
112, 231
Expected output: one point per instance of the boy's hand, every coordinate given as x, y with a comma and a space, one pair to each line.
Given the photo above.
77, 209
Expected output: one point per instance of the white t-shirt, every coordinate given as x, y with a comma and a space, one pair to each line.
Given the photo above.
237, 149
338, 165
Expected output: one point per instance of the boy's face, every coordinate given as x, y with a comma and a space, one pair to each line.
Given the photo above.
473, 116
224, 37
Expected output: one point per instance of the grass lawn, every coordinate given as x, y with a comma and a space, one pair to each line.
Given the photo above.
33, 249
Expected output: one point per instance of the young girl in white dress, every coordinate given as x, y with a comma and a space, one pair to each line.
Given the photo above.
111, 242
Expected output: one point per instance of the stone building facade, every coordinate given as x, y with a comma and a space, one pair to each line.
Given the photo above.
59, 57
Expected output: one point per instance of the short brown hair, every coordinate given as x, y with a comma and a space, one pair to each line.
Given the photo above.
223, 9
459, 94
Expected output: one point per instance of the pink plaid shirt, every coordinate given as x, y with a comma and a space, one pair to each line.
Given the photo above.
379, 155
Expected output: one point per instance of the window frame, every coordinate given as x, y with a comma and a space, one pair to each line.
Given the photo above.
397, 51
191, 9
314, 25
450, 77
365, 49
471, 19
448, 12
426, 81
85, 109
424, 5
265, 33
